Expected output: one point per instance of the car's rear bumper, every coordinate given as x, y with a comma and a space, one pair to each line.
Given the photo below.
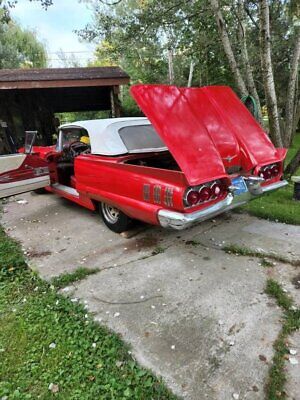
177, 220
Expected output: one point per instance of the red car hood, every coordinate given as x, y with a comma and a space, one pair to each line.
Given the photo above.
206, 129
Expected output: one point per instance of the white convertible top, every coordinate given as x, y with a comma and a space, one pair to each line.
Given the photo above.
105, 136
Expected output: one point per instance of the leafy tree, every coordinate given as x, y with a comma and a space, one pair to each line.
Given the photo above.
20, 48
251, 45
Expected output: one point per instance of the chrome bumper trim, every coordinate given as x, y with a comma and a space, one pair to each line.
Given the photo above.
179, 221
274, 186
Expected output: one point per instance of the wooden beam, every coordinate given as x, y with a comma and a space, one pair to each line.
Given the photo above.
62, 83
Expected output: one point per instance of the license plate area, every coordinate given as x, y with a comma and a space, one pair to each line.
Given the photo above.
240, 184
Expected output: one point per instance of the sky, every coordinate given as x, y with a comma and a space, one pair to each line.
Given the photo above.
55, 27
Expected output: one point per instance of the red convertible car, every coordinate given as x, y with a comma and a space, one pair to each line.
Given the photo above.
198, 153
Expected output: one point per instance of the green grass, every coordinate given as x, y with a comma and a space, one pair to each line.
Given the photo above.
158, 250
279, 205
87, 361
68, 278
264, 256
293, 149
291, 323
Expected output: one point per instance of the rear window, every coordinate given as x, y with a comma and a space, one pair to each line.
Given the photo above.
138, 138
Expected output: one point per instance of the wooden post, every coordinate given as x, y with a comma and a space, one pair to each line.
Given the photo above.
116, 109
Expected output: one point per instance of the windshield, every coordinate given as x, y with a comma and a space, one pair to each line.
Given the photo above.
139, 138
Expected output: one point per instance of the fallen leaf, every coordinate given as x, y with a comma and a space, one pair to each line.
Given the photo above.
53, 388
293, 352
293, 360
262, 358
22, 202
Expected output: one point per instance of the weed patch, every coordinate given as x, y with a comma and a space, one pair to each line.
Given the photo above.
291, 323
192, 243
158, 250
244, 251
66, 279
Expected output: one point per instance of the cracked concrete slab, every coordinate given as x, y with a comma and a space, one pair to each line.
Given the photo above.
201, 335
293, 368
195, 315
253, 233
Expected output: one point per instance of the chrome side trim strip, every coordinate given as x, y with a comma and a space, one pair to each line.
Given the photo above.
168, 198
146, 192
26, 185
157, 194
66, 189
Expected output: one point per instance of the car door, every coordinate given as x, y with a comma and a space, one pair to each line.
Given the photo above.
23, 172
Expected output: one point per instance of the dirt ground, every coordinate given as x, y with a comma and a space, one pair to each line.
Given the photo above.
192, 313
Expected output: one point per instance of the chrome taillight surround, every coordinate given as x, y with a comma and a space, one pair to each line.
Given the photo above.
205, 193
270, 171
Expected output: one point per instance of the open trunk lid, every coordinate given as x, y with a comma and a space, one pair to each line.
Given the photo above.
207, 130
181, 130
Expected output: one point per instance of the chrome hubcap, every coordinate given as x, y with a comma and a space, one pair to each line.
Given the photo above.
110, 213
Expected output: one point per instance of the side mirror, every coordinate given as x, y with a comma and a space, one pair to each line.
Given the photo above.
30, 137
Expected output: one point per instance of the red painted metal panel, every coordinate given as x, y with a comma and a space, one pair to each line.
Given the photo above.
27, 170
206, 129
256, 146
122, 185
182, 130
219, 131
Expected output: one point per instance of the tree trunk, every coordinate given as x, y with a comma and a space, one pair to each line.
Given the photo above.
293, 165
171, 66
296, 118
228, 49
291, 91
267, 72
245, 58
190, 80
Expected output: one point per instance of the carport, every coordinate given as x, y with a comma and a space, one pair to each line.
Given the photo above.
29, 98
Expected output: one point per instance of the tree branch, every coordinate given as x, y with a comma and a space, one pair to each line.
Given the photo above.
250, 16
228, 48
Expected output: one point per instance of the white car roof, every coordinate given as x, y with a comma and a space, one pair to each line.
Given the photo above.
104, 134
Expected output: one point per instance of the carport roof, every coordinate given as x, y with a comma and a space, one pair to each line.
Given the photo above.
61, 77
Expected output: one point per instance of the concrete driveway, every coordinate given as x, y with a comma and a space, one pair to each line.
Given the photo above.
192, 313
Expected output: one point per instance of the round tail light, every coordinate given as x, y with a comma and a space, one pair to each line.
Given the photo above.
224, 190
266, 173
216, 189
192, 197
274, 170
205, 193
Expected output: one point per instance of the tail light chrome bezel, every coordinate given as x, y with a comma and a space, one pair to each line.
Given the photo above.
270, 171
208, 185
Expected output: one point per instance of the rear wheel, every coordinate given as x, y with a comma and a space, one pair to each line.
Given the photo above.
114, 219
